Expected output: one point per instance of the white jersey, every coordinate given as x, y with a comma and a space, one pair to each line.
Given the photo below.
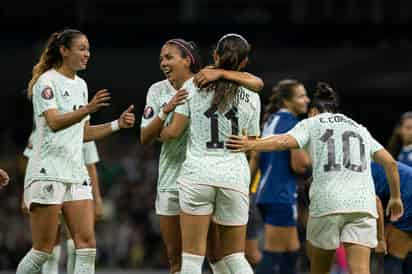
172, 153
90, 154
341, 152
207, 159
57, 156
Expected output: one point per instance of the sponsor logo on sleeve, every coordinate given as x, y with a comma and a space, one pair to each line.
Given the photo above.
47, 93
148, 112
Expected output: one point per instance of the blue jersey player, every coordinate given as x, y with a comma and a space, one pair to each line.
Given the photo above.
276, 195
399, 233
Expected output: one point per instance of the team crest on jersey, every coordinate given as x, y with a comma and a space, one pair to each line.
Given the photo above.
47, 93
148, 112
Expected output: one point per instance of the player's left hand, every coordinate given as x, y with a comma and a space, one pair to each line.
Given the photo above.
394, 209
207, 75
381, 247
127, 119
239, 143
4, 178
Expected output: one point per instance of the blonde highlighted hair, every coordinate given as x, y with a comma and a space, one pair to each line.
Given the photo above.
51, 57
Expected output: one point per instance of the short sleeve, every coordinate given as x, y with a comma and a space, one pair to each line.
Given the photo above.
374, 145
90, 154
301, 132
254, 124
44, 97
152, 107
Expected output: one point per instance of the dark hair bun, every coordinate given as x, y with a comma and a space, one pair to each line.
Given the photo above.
324, 92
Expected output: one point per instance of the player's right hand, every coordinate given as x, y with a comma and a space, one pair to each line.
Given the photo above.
100, 99
4, 178
394, 209
178, 99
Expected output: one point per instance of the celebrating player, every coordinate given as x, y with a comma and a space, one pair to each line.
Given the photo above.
214, 182
277, 192
342, 196
56, 178
179, 60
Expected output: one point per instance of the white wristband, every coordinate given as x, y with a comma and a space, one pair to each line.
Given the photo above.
115, 125
162, 116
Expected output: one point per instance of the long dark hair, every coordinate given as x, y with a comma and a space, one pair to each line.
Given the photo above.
325, 99
395, 141
283, 90
51, 57
232, 50
188, 49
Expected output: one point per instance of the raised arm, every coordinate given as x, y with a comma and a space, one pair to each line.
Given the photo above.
395, 206
58, 121
271, 143
175, 128
245, 79
151, 131
126, 120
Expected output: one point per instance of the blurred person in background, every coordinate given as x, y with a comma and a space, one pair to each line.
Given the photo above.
56, 178
179, 61
400, 146
397, 239
277, 191
214, 183
4, 178
342, 195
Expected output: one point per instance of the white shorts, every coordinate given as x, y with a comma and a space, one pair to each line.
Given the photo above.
327, 232
167, 203
228, 207
55, 193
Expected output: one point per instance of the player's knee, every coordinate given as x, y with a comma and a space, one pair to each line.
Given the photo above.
85, 240
45, 244
358, 267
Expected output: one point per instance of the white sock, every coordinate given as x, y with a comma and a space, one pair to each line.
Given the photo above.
219, 267
85, 259
32, 262
191, 263
71, 256
51, 266
237, 264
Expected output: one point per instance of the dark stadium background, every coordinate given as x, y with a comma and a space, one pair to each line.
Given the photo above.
361, 47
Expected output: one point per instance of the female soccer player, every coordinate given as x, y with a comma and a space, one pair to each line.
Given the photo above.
214, 182
56, 178
342, 196
277, 192
179, 60
90, 157
398, 233
400, 143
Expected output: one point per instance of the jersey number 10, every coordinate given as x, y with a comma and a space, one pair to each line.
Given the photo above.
212, 115
332, 165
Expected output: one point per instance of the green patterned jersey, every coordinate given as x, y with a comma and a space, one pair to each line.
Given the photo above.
90, 154
341, 152
207, 159
172, 152
57, 156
